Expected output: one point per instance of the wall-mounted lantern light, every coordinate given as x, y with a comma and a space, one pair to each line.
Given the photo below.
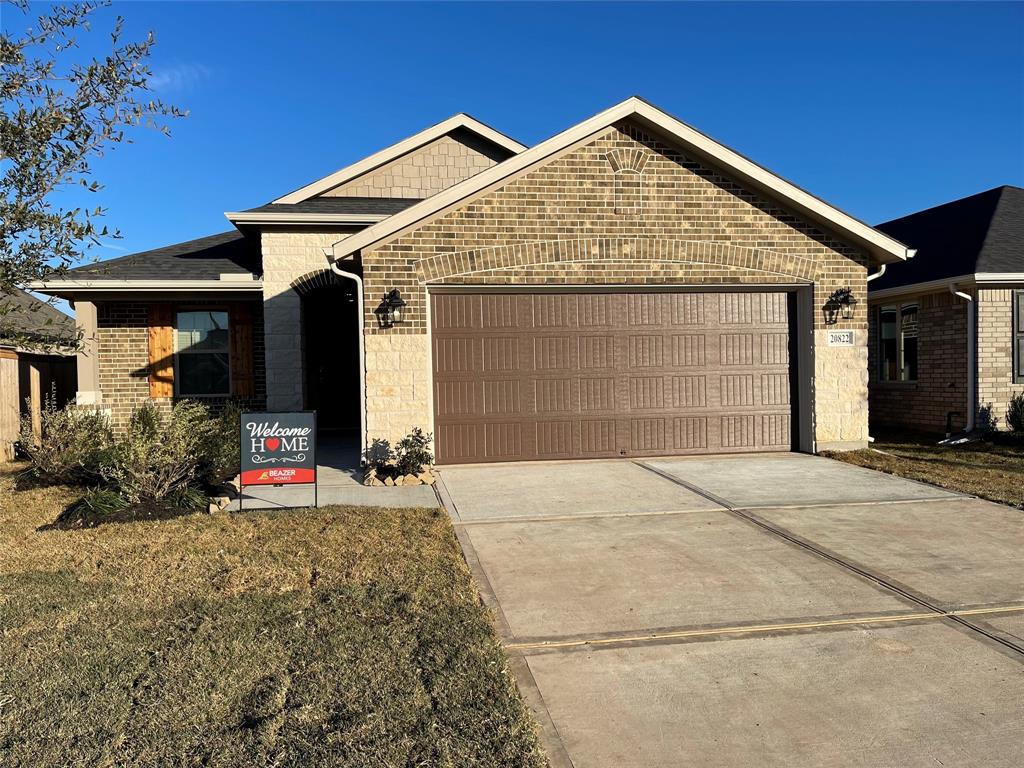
841, 304
390, 309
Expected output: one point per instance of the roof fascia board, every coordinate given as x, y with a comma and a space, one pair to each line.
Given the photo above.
883, 247
239, 218
239, 285
395, 151
928, 286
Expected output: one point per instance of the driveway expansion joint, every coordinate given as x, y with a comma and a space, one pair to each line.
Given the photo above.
879, 580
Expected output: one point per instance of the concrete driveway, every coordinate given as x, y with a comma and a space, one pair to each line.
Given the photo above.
751, 611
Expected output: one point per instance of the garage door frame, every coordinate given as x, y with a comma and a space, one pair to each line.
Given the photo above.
801, 332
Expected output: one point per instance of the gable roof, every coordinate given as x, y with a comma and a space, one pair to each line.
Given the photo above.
980, 234
457, 122
23, 314
883, 247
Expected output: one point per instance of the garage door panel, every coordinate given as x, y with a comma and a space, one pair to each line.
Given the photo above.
589, 375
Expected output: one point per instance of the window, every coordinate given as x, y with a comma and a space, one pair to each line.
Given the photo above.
897, 342
201, 343
1018, 337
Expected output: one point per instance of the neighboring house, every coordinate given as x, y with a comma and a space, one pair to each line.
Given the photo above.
947, 327
37, 360
629, 287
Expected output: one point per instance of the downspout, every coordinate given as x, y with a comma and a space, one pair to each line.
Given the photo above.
329, 253
971, 354
878, 274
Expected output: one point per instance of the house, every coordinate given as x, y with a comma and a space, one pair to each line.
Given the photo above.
628, 287
947, 327
37, 360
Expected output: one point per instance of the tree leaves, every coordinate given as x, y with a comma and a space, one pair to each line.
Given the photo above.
58, 116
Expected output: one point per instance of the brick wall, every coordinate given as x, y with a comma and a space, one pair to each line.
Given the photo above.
122, 338
424, 172
995, 353
941, 385
558, 223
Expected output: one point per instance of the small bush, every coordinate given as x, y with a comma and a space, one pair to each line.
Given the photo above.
159, 453
221, 453
96, 504
412, 454
1015, 413
73, 444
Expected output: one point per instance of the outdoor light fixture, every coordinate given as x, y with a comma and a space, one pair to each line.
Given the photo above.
390, 309
841, 304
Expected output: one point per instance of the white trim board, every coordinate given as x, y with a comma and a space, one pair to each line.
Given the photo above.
942, 284
884, 248
304, 219
242, 284
403, 147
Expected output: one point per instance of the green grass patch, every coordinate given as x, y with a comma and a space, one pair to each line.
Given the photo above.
332, 637
991, 470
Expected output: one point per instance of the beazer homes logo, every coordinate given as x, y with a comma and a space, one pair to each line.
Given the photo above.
278, 448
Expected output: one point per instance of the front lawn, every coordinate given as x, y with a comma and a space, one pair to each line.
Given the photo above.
990, 470
332, 637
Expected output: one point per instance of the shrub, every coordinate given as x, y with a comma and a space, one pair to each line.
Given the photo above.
72, 446
159, 453
96, 504
1015, 412
412, 454
221, 453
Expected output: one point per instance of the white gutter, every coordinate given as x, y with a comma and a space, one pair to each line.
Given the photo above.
972, 357
305, 219
241, 283
329, 253
878, 274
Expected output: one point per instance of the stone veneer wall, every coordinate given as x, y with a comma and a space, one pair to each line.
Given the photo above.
423, 172
558, 223
995, 353
941, 385
122, 338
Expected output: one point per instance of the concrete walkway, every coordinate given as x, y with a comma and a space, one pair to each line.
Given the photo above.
751, 611
339, 481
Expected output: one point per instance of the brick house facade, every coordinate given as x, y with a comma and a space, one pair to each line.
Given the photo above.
966, 289
628, 203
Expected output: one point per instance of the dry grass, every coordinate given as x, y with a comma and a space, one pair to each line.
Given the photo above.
984, 469
332, 637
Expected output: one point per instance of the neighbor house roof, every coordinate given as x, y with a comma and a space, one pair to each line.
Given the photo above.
459, 122
22, 314
978, 235
227, 261
883, 247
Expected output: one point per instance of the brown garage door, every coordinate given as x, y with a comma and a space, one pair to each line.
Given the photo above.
587, 375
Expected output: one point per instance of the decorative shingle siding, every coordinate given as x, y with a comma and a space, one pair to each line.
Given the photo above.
995, 353
941, 386
123, 355
421, 173
563, 223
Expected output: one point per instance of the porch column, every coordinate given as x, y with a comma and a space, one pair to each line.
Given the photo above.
282, 339
87, 359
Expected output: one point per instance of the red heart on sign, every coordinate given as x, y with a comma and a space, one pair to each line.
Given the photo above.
273, 443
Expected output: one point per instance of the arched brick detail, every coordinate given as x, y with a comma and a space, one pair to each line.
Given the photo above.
519, 255
310, 281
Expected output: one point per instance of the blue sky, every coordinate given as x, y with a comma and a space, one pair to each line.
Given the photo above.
881, 109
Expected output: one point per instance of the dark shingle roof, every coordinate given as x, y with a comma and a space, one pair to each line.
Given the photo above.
980, 233
23, 314
206, 258
380, 206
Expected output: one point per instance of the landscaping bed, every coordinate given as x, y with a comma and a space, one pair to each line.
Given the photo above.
339, 636
990, 469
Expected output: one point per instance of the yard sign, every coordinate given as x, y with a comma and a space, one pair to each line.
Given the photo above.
278, 449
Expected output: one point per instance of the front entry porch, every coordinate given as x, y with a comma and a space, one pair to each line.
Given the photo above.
339, 481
